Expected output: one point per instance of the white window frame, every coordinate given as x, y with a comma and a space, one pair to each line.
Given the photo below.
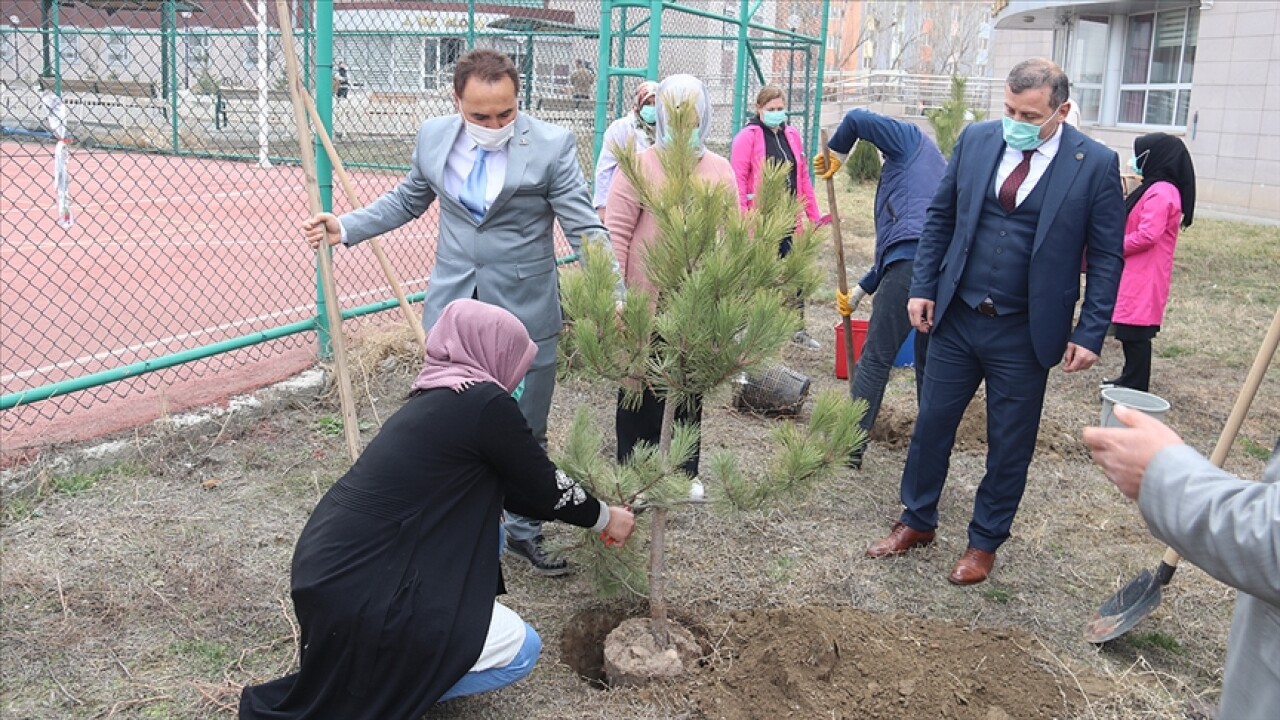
197, 46
117, 47
8, 43
68, 45
1071, 62
1178, 88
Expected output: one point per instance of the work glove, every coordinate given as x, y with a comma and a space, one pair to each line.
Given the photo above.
824, 169
846, 303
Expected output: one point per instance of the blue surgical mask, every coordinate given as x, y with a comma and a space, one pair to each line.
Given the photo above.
773, 118
1024, 135
695, 138
649, 114
1133, 163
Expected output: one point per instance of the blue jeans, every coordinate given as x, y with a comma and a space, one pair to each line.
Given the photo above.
890, 324
474, 683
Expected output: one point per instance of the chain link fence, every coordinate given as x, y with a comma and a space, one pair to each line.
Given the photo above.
173, 253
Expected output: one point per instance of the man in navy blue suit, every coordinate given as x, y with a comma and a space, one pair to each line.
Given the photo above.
995, 284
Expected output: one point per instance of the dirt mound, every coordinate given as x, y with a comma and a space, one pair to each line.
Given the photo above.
816, 662
893, 429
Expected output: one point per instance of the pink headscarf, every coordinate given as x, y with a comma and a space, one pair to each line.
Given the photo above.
475, 342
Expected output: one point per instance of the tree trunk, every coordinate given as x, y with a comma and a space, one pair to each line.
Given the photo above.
657, 538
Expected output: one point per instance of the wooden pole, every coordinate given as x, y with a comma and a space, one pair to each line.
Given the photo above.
350, 423
415, 321
841, 275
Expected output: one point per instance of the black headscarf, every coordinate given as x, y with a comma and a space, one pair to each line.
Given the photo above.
1164, 158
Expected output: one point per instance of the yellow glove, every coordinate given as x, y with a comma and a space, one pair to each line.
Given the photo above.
825, 170
842, 304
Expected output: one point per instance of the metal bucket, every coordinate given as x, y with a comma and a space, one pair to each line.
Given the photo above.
776, 391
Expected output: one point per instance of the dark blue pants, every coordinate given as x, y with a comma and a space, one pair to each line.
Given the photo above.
967, 348
889, 327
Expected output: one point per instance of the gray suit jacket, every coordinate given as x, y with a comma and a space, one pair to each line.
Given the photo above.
1230, 528
509, 258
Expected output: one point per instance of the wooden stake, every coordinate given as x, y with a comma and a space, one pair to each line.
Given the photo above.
414, 320
841, 275
350, 423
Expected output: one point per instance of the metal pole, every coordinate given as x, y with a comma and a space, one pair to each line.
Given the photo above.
604, 61
655, 36
471, 24
264, 160
165, 60
817, 101
619, 106
46, 70
171, 78
740, 68
57, 49
324, 167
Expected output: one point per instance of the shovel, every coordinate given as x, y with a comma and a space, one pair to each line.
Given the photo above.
1142, 594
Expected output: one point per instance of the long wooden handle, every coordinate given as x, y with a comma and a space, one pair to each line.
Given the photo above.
1248, 392
350, 423
415, 322
841, 274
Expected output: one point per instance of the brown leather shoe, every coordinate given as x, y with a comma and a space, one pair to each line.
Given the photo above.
973, 567
899, 540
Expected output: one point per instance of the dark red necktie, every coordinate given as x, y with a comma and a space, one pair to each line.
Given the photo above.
1009, 190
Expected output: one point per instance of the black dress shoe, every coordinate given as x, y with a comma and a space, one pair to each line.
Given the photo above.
542, 563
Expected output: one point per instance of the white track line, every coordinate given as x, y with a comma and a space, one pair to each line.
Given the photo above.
4, 379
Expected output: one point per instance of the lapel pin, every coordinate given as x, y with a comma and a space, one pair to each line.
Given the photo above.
1079, 156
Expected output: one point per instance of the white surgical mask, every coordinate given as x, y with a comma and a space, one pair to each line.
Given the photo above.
489, 138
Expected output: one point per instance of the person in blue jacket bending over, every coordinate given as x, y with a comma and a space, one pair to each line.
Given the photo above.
909, 176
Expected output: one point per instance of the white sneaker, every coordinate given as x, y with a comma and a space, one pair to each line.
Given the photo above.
804, 340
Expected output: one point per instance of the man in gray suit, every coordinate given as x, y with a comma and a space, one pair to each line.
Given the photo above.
502, 178
1228, 527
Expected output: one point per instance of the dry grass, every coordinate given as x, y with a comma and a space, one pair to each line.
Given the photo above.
154, 583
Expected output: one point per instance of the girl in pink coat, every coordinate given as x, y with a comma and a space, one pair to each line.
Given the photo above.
1165, 199
769, 137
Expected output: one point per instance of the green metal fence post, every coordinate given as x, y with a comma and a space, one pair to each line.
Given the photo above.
308, 10
817, 98
604, 61
324, 168
57, 48
471, 24
655, 36
740, 67
619, 106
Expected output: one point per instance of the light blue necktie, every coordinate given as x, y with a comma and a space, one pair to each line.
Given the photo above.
473, 191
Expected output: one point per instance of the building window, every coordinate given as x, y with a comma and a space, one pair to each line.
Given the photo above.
8, 43
1159, 58
68, 45
118, 46
1087, 63
198, 46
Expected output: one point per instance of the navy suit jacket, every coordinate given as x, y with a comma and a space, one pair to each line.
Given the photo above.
1082, 220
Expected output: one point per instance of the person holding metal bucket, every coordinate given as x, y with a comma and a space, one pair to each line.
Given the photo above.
1165, 200
1228, 527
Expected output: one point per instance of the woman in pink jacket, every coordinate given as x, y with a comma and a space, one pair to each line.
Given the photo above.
769, 137
1165, 199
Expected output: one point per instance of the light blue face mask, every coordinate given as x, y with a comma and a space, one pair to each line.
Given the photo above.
695, 138
1133, 163
1024, 135
649, 114
773, 118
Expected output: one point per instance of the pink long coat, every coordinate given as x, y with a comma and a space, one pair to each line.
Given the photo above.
1150, 235
747, 158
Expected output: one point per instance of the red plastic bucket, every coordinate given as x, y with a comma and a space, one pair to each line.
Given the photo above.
859, 328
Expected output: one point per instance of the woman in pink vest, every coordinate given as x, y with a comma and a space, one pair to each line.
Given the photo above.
769, 137
1165, 200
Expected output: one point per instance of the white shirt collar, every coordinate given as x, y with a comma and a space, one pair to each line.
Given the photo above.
1050, 146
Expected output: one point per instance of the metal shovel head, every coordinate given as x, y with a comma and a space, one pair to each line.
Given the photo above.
1125, 609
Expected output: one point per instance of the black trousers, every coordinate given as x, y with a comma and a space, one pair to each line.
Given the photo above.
645, 425
1136, 342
